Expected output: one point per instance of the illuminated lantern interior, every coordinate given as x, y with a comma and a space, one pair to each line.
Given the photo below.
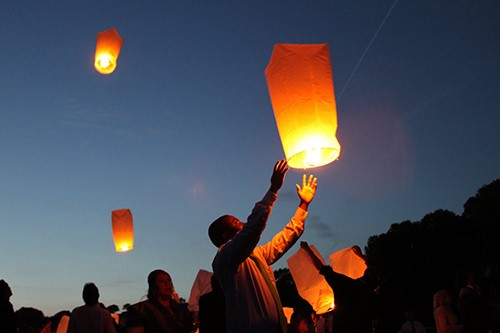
300, 83
123, 229
107, 50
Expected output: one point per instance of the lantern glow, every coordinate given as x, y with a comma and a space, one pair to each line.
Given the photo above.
123, 229
107, 50
300, 83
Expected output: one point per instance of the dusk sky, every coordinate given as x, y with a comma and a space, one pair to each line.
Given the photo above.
183, 131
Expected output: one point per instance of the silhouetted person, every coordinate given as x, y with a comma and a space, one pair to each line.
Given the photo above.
472, 306
212, 309
161, 312
411, 325
91, 317
446, 318
355, 299
8, 323
252, 301
300, 323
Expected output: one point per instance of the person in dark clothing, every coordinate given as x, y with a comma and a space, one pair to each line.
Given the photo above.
355, 299
212, 313
8, 322
160, 313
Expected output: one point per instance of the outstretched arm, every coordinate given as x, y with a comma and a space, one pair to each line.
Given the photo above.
307, 191
316, 261
278, 176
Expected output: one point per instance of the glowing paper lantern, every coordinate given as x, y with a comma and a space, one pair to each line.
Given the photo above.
62, 327
300, 83
107, 50
123, 229
349, 262
311, 285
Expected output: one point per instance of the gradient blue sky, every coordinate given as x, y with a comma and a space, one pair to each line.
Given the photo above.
183, 131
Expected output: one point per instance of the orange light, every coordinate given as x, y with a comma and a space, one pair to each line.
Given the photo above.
123, 229
300, 83
107, 50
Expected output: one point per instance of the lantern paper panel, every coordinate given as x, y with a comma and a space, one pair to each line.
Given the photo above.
311, 285
123, 229
201, 285
348, 262
300, 83
107, 51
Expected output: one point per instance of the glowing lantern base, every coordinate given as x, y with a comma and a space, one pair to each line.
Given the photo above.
300, 84
107, 50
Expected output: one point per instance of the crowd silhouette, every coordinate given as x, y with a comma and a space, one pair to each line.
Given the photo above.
439, 274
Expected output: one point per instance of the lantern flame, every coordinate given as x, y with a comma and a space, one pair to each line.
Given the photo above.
300, 84
107, 51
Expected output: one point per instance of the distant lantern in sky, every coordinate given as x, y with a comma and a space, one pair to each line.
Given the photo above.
123, 229
107, 50
300, 83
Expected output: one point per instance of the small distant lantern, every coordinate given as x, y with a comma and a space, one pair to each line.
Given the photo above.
300, 83
123, 229
107, 50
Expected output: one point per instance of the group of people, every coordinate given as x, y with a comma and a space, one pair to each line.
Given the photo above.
242, 276
244, 298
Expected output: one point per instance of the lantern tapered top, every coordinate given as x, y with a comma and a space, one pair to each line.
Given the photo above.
107, 50
123, 229
300, 84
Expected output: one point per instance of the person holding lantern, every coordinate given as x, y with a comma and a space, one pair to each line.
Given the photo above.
242, 267
161, 312
356, 302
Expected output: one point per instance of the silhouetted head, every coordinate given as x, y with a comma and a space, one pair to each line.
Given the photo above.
5, 291
409, 316
442, 298
300, 323
90, 294
223, 229
160, 286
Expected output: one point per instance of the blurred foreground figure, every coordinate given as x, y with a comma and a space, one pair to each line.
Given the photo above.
160, 313
252, 301
91, 317
355, 299
444, 314
8, 322
212, 313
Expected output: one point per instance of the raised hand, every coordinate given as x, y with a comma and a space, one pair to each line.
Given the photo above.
308, 190
278, 176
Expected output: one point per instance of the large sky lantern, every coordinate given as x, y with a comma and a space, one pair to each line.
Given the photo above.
107, 51
300, 83
123, 229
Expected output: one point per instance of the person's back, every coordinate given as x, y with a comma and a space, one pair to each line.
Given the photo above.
212, 313
91, 317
